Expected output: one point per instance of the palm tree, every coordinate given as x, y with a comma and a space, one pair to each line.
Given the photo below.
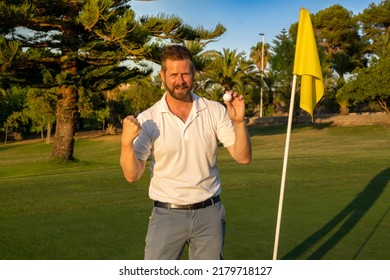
259, 54
229, 68
256, 54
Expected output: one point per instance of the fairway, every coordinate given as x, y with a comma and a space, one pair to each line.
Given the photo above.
336, 203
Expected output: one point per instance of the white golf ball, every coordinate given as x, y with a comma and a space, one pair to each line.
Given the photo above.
227, 97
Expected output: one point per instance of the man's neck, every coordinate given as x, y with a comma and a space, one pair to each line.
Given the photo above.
180, 108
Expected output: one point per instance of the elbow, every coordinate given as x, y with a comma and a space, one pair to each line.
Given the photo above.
130, 175
131, 179
245, 161
243, 154
131, 172
244, 158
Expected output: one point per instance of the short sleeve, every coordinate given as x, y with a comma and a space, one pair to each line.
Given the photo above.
143, 143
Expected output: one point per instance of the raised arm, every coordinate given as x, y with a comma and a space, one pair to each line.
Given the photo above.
241, 151
132, 167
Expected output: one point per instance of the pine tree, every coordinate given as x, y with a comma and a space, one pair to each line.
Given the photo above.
80, 45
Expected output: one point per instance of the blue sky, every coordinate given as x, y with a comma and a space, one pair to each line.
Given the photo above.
244, 19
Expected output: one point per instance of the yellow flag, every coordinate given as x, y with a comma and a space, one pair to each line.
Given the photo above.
307, 64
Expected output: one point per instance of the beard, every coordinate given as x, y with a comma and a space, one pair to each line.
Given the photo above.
179, 92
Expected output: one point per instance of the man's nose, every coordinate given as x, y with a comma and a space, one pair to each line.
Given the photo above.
180, 79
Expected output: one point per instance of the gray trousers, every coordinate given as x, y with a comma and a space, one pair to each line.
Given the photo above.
170, 230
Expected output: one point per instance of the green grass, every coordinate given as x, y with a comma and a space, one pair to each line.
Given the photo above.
336, 203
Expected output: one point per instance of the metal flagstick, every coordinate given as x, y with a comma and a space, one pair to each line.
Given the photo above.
284, 172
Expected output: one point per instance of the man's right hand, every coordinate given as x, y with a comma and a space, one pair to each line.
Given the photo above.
131, 129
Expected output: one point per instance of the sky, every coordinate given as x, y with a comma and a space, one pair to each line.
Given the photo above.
243, 19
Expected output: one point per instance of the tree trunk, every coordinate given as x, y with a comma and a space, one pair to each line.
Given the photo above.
42, 137
66, 111
48, 134
383, 104
65, 124
344, 110
6, 135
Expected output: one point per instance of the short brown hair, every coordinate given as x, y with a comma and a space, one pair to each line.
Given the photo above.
176, 52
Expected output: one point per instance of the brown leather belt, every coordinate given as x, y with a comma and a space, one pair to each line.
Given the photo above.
194, 206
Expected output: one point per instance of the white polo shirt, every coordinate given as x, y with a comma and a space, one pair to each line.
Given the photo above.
183, 156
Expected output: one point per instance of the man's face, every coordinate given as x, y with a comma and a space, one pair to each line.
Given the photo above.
178, 78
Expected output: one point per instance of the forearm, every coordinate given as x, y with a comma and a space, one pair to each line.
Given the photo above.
132, 167
242, 152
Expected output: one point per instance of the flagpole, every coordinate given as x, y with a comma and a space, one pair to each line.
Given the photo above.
284, 172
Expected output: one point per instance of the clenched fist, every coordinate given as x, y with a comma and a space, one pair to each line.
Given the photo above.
131, 129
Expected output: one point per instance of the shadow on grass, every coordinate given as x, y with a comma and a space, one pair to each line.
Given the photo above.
267, 130
281, 128
352, 214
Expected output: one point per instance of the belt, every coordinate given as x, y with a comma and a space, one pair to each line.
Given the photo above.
194, 206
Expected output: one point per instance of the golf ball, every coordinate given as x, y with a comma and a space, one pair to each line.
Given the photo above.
227, 97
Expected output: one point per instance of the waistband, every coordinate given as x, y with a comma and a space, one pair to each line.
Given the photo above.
194, 206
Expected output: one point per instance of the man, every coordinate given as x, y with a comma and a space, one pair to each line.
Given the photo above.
180, 134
